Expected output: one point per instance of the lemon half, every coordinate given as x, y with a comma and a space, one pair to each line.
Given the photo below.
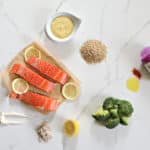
20, 86
70, 91
32, 51
71, 127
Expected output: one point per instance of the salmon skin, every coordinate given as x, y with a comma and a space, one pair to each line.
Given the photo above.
32, 77
37, 100
48, 69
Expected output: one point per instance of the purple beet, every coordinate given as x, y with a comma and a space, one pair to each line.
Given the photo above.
145, 55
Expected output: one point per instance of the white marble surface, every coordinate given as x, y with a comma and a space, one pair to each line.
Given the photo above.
124, 25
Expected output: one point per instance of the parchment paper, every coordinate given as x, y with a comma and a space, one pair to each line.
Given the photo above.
45, 55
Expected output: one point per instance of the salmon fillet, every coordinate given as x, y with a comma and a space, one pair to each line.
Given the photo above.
37, 100
48, 69
32, 77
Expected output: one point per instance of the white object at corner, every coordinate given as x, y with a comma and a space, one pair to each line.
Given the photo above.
147, 66
4, 121
76, 20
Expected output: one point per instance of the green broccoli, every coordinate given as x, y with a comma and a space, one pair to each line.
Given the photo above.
125, 109
124, 120
114, 112
101, 114
117, 102
109, 103
112, 122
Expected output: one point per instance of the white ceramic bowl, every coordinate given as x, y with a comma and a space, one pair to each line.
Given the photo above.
49, 33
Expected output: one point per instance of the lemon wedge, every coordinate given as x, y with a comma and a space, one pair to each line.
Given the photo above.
70, 91
20, 86
32, 51
71, 127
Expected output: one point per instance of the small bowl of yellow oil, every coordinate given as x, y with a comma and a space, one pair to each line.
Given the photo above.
62, 26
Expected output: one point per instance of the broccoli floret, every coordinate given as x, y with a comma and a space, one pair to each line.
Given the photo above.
112, 122
114, 112
124, 120
117, 102
125, 108
101, 114
109, 103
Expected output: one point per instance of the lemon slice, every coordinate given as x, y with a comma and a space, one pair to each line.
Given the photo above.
71, 127
32, 51
20, 86
70, 91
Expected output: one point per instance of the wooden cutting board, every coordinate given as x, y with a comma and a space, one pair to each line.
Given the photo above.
45, 55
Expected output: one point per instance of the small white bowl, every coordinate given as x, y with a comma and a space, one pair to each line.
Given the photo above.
49, 33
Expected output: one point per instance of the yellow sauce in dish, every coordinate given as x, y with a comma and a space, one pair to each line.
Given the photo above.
62, 26
133, 84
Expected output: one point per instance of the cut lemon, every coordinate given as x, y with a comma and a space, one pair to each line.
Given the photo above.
71, 127
70, 91
32, 51
20, 86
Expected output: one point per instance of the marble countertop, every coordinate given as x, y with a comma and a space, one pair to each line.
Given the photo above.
124, 26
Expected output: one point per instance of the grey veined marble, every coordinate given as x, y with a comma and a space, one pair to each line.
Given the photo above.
124, 26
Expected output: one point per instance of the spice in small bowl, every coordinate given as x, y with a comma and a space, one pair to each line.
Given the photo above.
62, 26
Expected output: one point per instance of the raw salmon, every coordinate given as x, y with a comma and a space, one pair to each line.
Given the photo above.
37, 100
32, 77
48, 69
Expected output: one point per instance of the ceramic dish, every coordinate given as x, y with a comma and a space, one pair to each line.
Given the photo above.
49, 33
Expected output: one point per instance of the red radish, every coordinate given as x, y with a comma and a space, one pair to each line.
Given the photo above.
137, 73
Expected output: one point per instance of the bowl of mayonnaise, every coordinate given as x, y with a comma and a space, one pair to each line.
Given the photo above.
62, 26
